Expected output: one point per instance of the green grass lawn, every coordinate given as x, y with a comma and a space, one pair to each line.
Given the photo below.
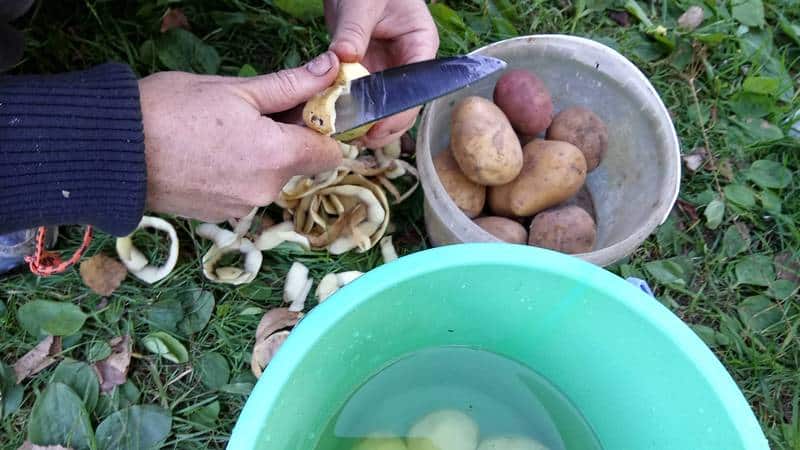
726, 262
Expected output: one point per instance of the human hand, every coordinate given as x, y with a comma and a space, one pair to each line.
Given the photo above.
381, 34
211, 153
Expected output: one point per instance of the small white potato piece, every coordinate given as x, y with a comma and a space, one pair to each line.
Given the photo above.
511, 443
446, 429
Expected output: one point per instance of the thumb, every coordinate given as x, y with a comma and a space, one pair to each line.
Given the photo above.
305, 151
279, 91
353, 27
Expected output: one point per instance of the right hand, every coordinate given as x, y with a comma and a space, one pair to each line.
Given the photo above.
211, 153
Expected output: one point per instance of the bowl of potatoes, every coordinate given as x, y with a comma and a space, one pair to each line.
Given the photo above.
570, 148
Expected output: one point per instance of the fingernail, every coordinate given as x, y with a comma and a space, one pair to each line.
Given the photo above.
320, 65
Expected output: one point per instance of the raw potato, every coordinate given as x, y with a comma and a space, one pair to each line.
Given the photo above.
583, 129
583, 199
566, 229
511, 443
483, 142
525, 100
446, 429
504, 229
468, 196
552, 173
319, 113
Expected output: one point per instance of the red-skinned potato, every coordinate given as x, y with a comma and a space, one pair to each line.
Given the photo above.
583, 129
506, 230
483, 142
468, 196
566, 229
525, 100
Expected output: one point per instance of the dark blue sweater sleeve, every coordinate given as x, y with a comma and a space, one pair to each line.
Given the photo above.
72, 150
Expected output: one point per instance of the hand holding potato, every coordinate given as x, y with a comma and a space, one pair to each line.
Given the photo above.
211, 153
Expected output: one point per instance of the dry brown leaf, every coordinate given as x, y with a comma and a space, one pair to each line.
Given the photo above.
113, 371
27, 445
691, 19
174, 18
39, 358
788, 266
276, 319
695, 159
103, 274
265, 350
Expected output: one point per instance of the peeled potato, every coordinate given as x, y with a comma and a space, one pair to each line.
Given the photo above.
566, 229
583, 129
319, 113
511, 443
525, 100
552, 173
468, 196
504, 229
484, 143
445, 429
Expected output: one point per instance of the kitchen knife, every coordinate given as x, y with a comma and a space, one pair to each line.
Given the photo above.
398, 89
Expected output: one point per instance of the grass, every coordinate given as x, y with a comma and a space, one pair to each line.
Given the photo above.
715, 272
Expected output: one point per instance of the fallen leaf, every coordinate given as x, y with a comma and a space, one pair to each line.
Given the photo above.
726, 169
622, 18
113, 370
174, 18
102, 274
276, 319
691, 19
28, 446
788, 267
265, 350
39, 358
695, 159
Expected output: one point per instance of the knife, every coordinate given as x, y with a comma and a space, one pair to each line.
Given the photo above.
398, 89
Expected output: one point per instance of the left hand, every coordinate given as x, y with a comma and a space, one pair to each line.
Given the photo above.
381, 34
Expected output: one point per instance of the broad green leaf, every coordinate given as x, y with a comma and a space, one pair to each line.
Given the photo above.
746, 104
251, 311
121, 397
165, 315
748, 12
43, 317
505, 8
113, 313
99, 350
756, 270
255, 291
714, 213
206, 415
769, 174
140, 427
213, 370
247, 71
10, 392
741, 195
164, 345
761, 85
197, 308
710, 336
148, 52
179, 49
735, 241
791, 29
81, 378
668, 272
59, 418
454, 33
301, 9
228, 19
645, 49
636, 10
237, 388
758, 46
771, 202
758, 130
782, 289
759, 313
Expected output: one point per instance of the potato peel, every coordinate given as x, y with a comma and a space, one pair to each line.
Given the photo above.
136, 262
319, 113
270, 334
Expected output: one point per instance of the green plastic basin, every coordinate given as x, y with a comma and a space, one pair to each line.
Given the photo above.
639, 375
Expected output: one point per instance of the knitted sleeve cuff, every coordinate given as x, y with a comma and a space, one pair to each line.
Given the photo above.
72, 150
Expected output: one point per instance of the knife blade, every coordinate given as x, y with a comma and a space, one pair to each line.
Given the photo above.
398, 89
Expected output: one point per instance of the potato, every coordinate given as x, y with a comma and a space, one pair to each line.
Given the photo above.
583, 199
380, 441
446, 429
583, 129
552, 173
468, 196
504, 229
483, 142
319, 112
566, 229
525, 100
511, 443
